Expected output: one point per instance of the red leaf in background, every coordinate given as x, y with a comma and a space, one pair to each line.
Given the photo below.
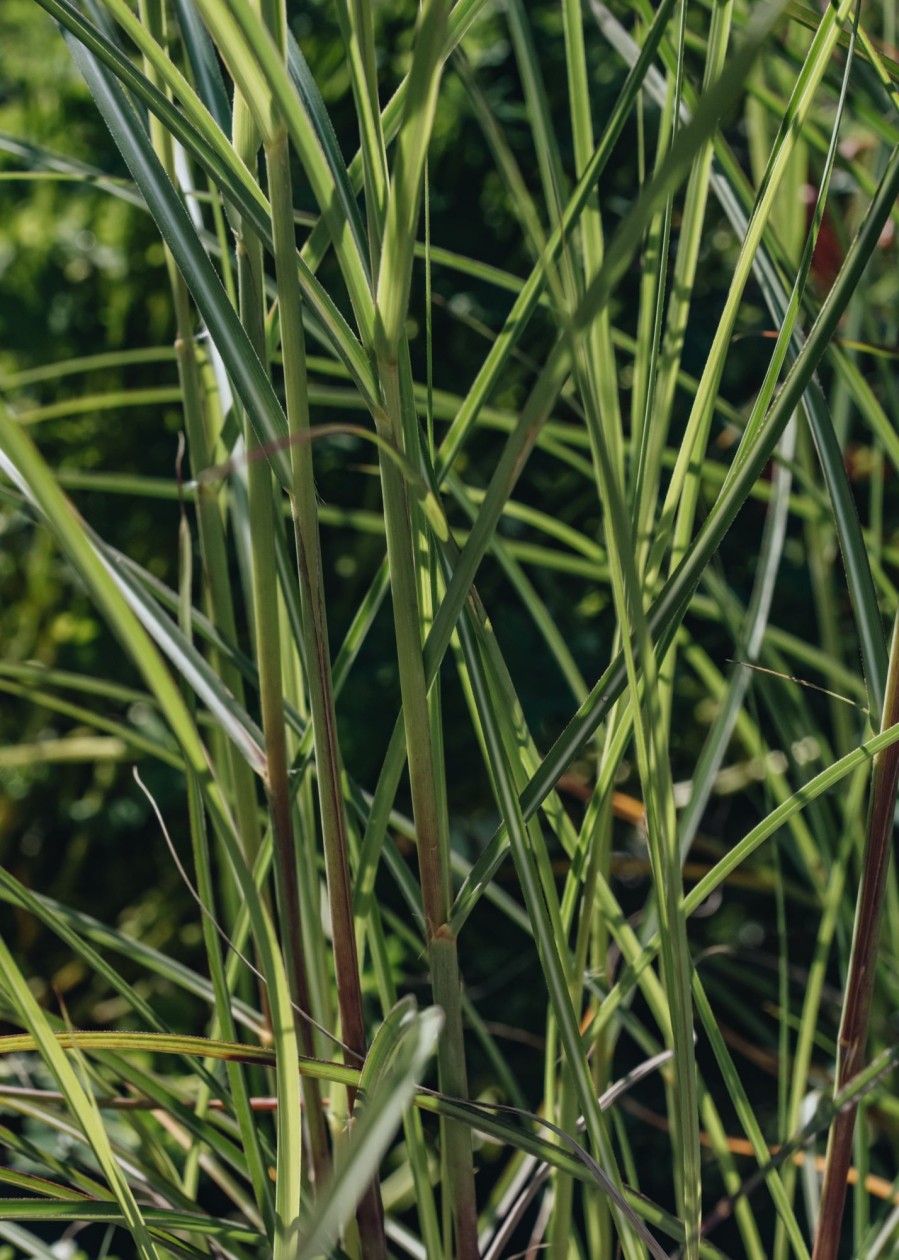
828, 256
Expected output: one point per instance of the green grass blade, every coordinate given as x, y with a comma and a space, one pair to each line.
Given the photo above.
308, 92
207, 74
80, 1103
160, 1219
241, 361
257, 68
200, 136
394, 276
396, 1061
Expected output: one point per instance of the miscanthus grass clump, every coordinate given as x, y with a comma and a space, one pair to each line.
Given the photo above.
534, 836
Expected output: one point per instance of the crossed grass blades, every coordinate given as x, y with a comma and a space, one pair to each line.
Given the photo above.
585, 449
